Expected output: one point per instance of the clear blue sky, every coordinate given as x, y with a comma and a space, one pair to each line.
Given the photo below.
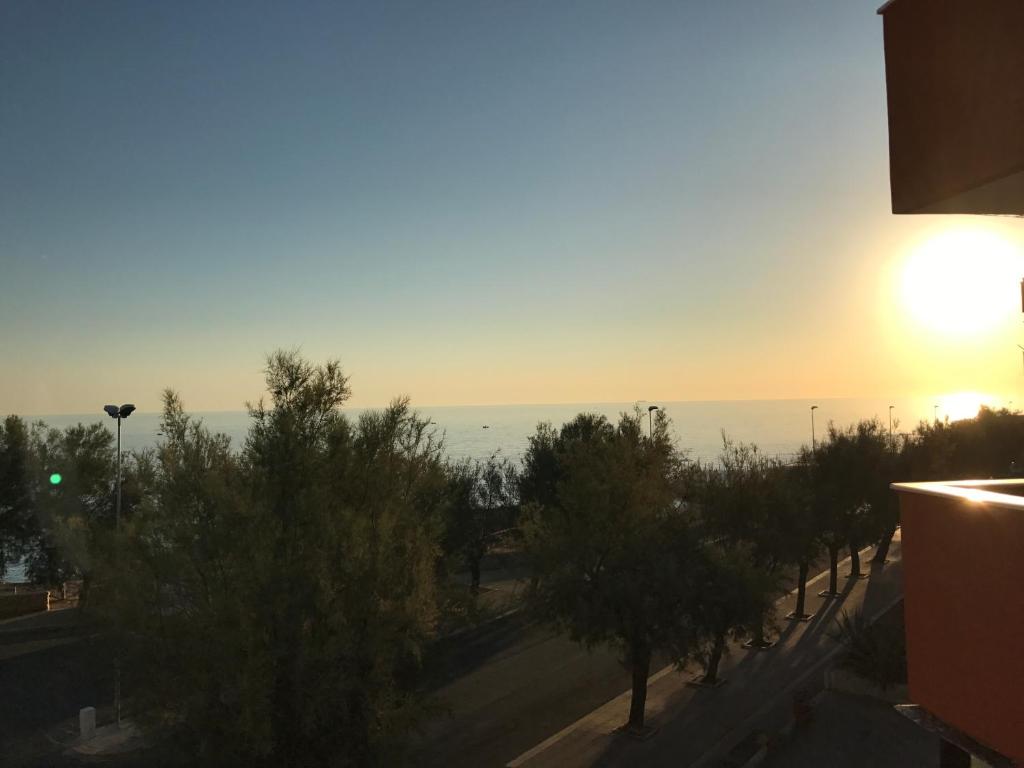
476, 202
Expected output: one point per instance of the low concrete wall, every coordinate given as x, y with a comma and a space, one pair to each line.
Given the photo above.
22, 603
844, 681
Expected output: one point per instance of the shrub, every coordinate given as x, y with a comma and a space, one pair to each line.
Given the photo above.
877, 651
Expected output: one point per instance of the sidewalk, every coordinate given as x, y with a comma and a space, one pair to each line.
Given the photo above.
848, 731
699, 727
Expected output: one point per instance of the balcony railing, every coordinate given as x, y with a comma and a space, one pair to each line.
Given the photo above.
963, 564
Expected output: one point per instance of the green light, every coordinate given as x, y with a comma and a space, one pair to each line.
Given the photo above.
55, 478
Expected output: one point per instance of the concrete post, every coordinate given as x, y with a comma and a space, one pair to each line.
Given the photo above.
87, 722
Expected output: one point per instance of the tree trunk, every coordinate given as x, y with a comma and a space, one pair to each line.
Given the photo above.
801, 588
474, 571
854, 561
758, 638
641, 671
711, 669
882, 551
83, 592
833, 569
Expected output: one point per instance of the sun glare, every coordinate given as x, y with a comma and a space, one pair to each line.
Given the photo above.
962, 282
962, 405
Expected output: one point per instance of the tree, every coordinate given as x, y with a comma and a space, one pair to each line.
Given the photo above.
990, 445
746, 505
612, 548
71, 518
483, 499
801, 541
893, 465
733, 595
276, 602
16, 519
851, 490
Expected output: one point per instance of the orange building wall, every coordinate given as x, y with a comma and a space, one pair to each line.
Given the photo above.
964, 579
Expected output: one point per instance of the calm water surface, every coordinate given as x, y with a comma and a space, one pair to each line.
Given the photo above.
777, 427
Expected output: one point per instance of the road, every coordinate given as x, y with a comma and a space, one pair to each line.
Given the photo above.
509, 686
708, 728
50, 667
513, 684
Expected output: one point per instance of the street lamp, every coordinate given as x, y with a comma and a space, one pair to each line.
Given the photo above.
890, 421
650, 420
814, 445
935, 412
119, 413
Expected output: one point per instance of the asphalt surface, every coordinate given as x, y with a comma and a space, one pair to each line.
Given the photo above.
509, 685
50, 667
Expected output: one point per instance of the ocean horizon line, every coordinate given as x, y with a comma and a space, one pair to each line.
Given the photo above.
582, 403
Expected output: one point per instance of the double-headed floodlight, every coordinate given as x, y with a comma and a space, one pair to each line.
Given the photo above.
119, 413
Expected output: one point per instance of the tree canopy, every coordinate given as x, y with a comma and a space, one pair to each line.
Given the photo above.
275, 602
611, 547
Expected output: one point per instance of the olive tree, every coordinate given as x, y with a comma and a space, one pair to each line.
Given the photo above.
612, 549
483, 498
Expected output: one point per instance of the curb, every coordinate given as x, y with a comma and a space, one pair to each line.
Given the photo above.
36, 614
455, 634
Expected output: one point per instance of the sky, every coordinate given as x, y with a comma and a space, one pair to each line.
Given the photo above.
469, 203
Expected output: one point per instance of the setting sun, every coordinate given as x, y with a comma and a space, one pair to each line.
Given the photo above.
962, 282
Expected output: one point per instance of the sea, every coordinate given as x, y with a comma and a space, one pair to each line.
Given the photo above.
777, 427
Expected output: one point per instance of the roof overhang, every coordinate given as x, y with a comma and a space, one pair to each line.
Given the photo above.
954, 75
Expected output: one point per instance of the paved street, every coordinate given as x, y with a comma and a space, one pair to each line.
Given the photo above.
49, 669
700, 727
511, 685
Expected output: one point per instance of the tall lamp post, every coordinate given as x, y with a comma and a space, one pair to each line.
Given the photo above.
814, 444
890, 422
650, 420
119, 413
935, 412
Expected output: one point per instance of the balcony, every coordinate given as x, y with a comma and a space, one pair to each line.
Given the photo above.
963, 562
